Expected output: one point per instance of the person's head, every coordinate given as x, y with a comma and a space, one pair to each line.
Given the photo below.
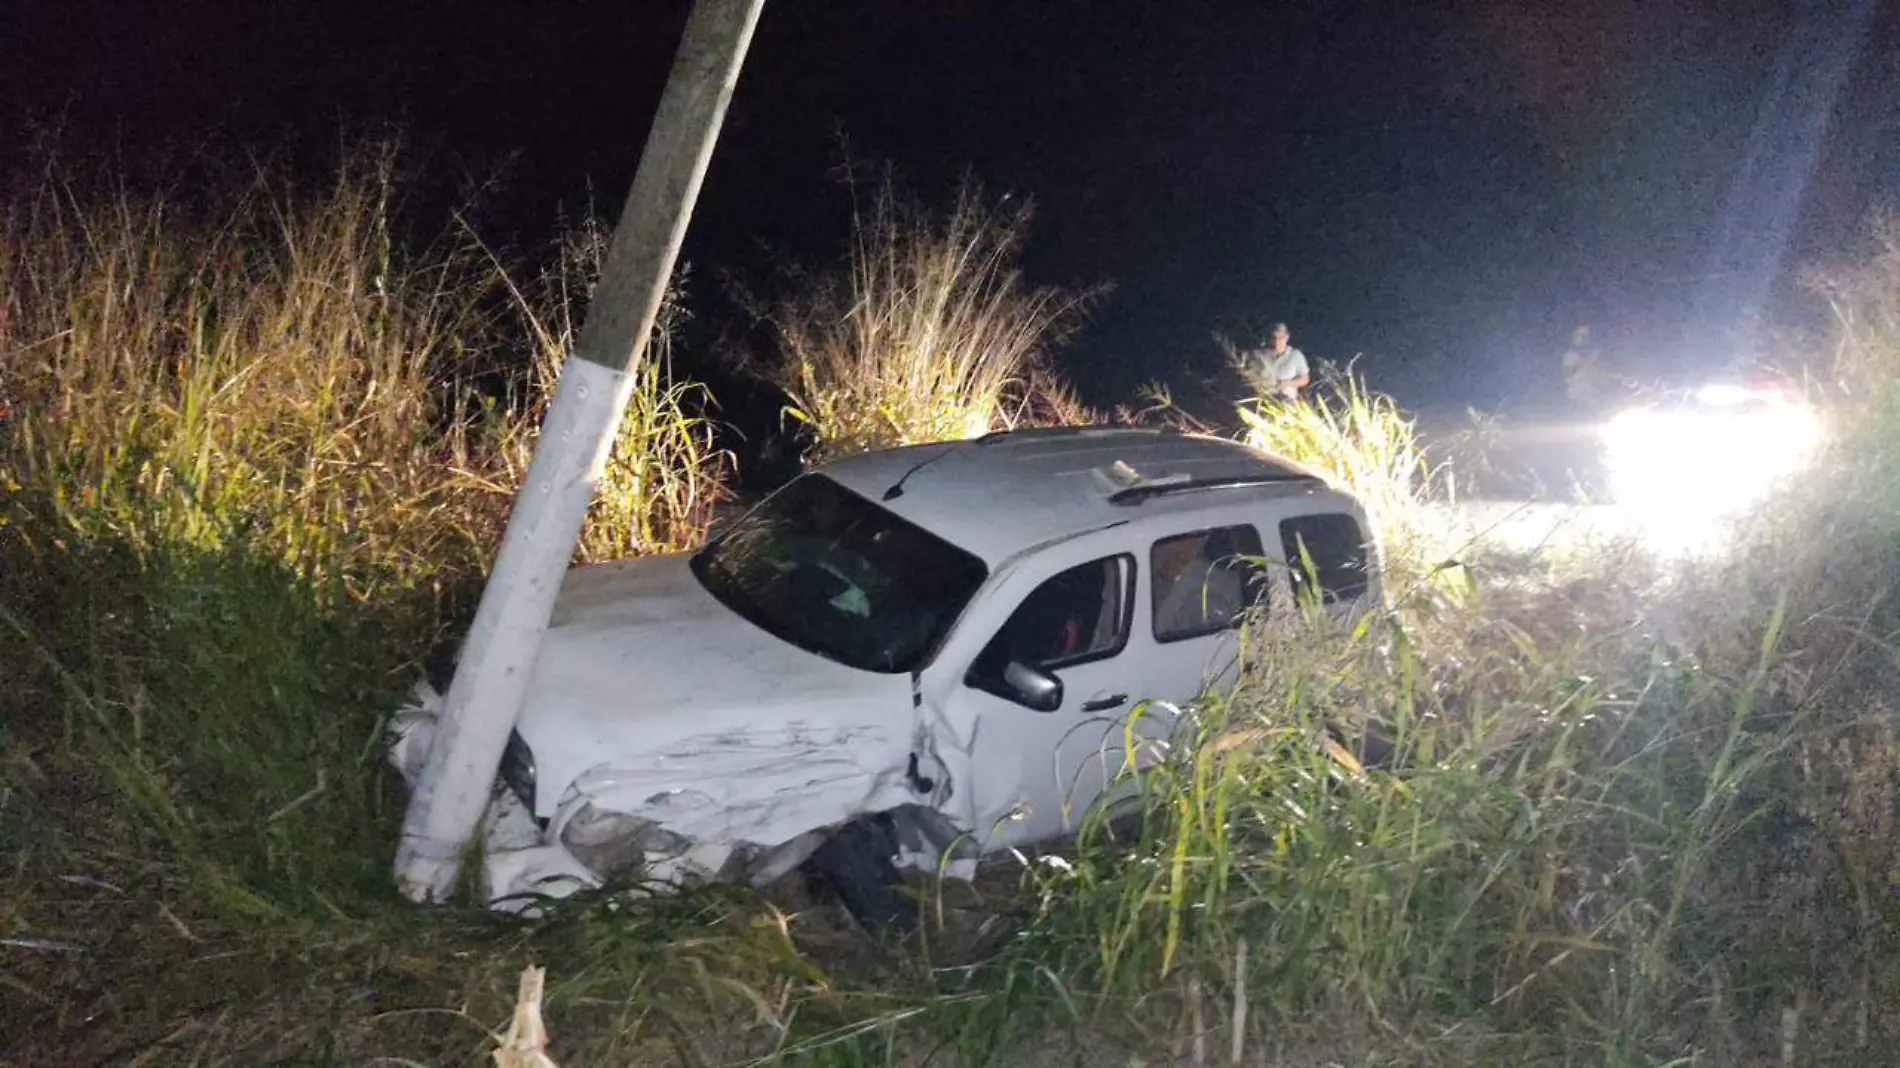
1277, 337
1580, 336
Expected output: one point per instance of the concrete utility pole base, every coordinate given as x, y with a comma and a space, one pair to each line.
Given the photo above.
427, 877
577, 434
498, 655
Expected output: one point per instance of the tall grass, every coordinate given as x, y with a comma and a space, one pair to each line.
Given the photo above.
927, 331
1545, 828
273, 370
666, 474
266, 373
1363, 441
1864, 359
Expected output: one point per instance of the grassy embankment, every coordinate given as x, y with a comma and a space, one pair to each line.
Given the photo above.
1630, 818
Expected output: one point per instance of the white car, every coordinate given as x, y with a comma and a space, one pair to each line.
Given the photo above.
904, 659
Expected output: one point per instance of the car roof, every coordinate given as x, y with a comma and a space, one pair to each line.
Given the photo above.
1000, 494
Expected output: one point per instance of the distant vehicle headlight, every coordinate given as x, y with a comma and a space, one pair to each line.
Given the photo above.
1679, 472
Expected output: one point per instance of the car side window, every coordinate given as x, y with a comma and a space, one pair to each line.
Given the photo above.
1206, 581
1329, 549
1078, 615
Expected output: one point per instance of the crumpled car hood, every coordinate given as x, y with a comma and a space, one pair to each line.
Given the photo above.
648, 689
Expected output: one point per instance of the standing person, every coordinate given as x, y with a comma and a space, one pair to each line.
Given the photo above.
1278, 369
1582, 368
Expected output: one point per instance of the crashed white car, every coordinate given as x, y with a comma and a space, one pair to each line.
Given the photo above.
905, 659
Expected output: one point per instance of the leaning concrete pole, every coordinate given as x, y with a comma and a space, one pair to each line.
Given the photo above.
576, 435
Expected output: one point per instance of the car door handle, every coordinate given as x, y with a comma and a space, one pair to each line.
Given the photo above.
1103, 704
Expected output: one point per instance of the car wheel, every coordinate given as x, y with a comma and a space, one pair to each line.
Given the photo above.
854, 867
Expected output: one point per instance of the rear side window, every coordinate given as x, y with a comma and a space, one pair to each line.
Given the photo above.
1329, 548
1206, 581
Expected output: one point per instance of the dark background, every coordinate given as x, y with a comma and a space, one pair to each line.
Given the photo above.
1444, 187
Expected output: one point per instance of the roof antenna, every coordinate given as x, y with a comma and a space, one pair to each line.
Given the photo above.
897, 488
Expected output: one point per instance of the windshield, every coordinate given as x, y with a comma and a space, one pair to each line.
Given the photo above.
828, 571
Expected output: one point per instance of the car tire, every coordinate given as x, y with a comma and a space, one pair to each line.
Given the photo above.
854, 867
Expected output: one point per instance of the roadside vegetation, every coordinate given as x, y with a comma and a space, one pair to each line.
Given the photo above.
256, 450
666, 474
926, 331
255, 455
1362, 440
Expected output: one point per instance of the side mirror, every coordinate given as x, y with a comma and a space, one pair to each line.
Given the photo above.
1032, 686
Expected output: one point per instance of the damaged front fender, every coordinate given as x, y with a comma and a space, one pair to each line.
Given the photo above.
740, 805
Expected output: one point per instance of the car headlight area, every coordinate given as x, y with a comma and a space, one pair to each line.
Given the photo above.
525, 861
611, 843
517, 771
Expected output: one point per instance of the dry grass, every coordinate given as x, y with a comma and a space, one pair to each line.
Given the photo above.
666, 475
275, 371
1864, 358
1363, 441
928, 331
270, 372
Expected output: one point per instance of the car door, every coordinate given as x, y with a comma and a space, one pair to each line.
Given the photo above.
1051, 678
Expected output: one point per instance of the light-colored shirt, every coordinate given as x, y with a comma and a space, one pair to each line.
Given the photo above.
1581, 372
1275, 368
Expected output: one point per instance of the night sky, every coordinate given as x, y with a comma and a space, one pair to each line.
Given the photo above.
1445, 187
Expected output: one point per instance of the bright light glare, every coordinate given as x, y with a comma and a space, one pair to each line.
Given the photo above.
1725, 393
1679, 474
